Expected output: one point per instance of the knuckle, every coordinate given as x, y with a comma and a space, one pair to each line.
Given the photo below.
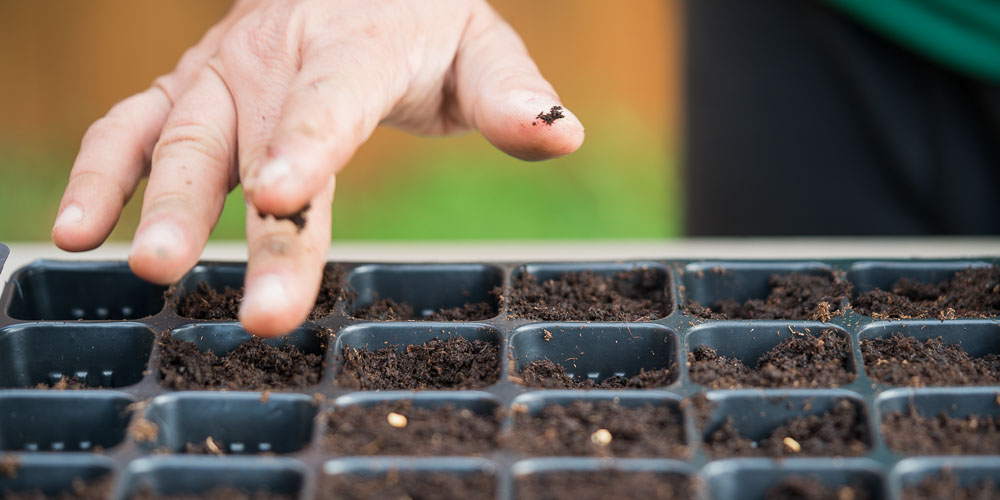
191, 137
95, 178
169, 201
275, 244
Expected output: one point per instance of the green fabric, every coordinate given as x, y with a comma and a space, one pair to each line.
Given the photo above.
962, 34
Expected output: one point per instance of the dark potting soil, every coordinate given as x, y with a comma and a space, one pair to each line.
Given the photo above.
298, 218
408, 485
914, 434
794, 296
455, 363
947, 485
555, 113
97, 489
598, 428
838, 432
220, 493
970, 293
548, 375
253, 365
807, 488
587, 296
800, 361
602, 485
209, 304
390, 310
906, 361
65, 383
374, 430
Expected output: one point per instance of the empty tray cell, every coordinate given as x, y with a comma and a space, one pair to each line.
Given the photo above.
49, 476
225, 356
47, 290
388, 356
915, 289
407, 423
231, 423
932, 353
933, 478
598, 423
74, 355
806, 291
603, 291
731, 355
814, 478
786, 424
605, 356
588, 478
275, 478
939, 421
365, 478
61, 421
445, 292
214, 292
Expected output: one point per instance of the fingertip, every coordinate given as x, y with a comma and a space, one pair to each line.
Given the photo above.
278, 188
267, 309
70, 231
160, 253
531, 128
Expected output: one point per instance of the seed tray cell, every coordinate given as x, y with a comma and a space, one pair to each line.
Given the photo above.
52, 474
967, 471
98, 323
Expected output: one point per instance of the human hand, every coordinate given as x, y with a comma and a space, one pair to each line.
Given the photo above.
278, 96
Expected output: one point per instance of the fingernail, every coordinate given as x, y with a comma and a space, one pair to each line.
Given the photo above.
158, 238
71, 215
266, 292
272, 173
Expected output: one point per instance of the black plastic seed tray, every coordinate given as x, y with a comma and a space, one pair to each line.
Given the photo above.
97, 322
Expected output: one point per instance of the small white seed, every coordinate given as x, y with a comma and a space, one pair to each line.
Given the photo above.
601, 437
792, 444
396, 420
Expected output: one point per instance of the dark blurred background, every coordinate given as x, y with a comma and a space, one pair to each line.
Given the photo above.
63, 64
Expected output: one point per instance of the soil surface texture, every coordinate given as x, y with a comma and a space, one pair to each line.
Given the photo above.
98, 489
253, 365
400, 428
455, 363
970, 293
598, 428
390, 310
794, 296
206, 303
806, 488
947, 486
906, 361
587, 296
602, 485
838, 432
914, 434
411, 486
65, 383
548, 375
298, 218
799, 361
221, 493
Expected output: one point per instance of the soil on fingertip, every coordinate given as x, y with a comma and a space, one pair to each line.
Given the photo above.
602, 485
253, 365
206, 303
548, 375
969, 293
839, 432
409, 485
555, 113
400, 428
906, 361
389, 310
946, 485
636, 295
800, 361
807, 488
220, 493
793, 296
598, 428
911, 433
454, 363
298, 218
95, 489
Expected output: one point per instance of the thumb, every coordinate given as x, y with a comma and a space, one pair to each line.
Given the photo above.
502, 94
